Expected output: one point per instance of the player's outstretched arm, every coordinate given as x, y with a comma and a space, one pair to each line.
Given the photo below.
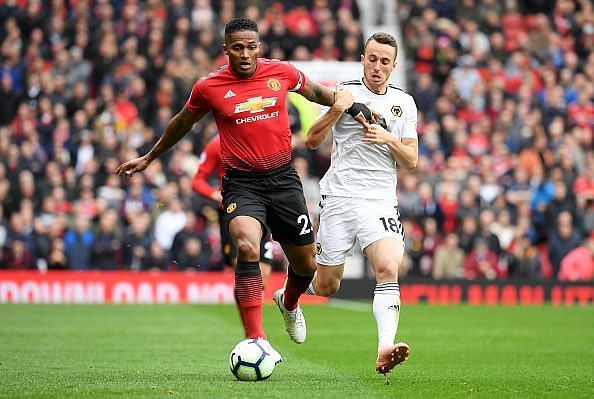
317, 93
320, 94
320, 129
177, 128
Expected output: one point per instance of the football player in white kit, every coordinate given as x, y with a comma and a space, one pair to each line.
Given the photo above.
359, 189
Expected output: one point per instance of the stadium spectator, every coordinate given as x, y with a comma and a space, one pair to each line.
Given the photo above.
137, 241
481, 262
578, 265
449, 259
562, 241
193, 256
107, 244
562, 202
181, 253
156, 258
468, 233
486, 224
57, 259
427, 206
169, 223
523, 260
19, 256
431, 240
503, 229
78, 243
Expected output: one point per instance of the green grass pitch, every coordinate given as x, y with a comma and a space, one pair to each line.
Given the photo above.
169, 351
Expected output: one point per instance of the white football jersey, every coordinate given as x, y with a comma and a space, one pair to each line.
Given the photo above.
364, 170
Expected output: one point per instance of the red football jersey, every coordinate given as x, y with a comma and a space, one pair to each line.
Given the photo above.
210, 160
251, 113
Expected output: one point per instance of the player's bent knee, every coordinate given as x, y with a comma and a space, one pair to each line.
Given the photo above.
328, 288
386, 272
247, 250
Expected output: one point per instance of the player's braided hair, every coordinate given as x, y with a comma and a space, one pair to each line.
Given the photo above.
240, 25
383, 38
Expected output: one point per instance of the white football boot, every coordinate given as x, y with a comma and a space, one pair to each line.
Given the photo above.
294, 320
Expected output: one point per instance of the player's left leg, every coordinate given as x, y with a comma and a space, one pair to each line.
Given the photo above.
385, 256
289, 221
230, 259
299, 275
337, 234
382, 238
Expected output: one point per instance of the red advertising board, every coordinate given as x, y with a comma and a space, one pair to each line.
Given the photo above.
480, 292
126, 287
185, 287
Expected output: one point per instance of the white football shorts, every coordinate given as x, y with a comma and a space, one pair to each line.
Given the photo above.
345, 219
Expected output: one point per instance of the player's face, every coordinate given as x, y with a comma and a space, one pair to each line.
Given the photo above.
243, 49
378, 62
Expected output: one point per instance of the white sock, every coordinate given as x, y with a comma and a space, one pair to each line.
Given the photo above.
386, 309
310, 289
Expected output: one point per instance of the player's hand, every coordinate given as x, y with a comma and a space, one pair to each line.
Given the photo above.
375, 134
362, 121
129, 168
217, 197
376, 118
343, 99
364, 115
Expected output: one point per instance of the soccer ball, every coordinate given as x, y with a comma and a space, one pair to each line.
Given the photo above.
250, 360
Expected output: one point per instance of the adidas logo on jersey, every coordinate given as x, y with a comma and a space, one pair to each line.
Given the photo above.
229, 94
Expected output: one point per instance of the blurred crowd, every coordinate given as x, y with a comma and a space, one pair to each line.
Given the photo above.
88, 84
505, 182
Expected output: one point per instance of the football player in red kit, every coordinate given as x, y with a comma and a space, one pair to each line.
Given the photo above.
261, 190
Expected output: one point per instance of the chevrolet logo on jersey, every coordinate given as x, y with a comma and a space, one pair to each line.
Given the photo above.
255, 104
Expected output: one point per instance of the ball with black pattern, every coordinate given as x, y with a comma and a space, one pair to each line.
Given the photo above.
249, 361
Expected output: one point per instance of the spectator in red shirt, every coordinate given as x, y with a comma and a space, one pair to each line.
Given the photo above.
19, 257
578, 265
481, 263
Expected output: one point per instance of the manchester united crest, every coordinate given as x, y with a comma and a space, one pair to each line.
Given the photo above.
273, 84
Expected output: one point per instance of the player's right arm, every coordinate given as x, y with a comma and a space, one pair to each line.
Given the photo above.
209, 160
196, 107
319, 130
177, 128
320, 94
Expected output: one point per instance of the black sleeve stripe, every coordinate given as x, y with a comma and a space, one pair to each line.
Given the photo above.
352, 83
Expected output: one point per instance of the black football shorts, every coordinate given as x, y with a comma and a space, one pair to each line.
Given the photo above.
273, 197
